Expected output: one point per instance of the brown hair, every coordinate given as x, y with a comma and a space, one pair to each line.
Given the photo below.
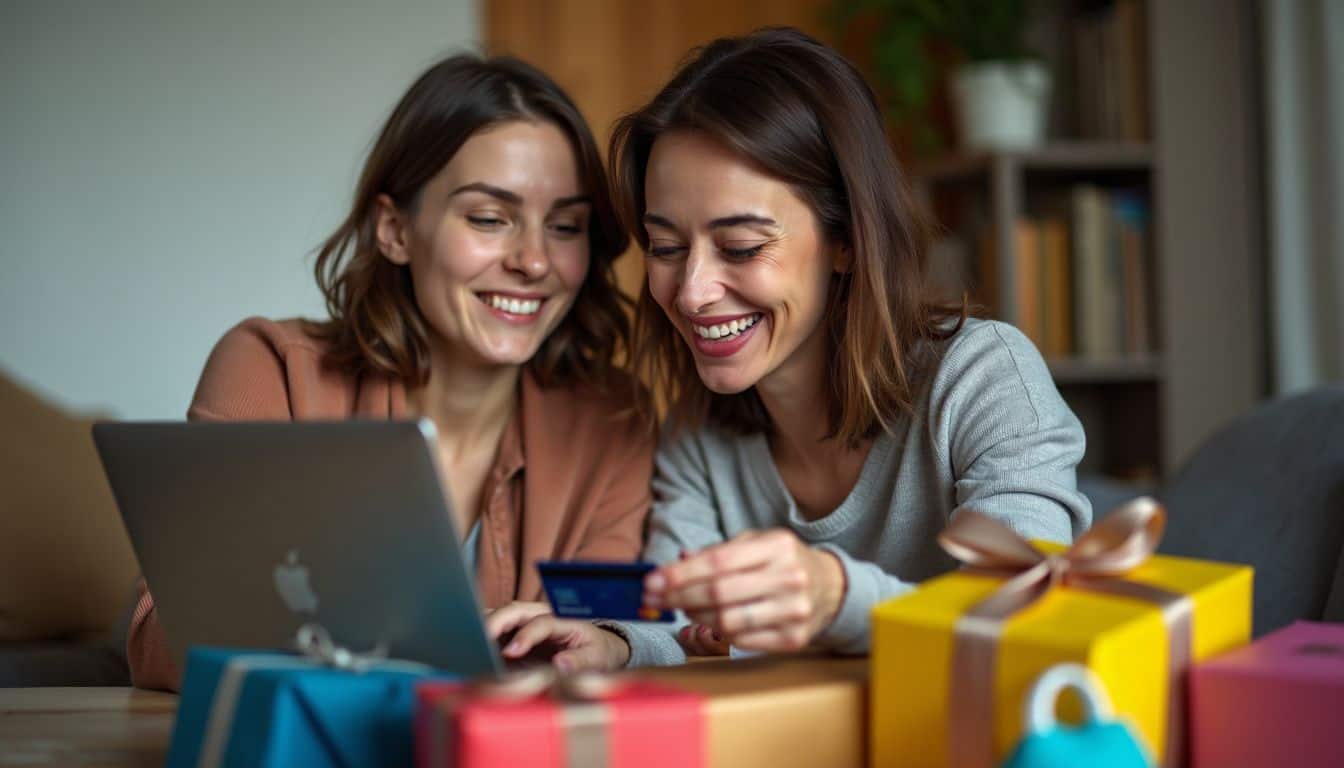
375, 324
799, 110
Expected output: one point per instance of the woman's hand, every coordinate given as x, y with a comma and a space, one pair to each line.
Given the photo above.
505, 619
761, 591
577, 645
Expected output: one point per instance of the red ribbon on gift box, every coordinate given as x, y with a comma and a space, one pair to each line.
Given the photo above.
539, 718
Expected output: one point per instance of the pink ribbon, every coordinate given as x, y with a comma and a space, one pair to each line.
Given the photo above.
583, 716
1097, 562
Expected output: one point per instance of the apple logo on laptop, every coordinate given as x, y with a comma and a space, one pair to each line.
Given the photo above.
291, 582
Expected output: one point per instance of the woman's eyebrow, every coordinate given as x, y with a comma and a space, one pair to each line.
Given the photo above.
489, 189
513, 198
721, 222
565, 202
659, 221
741, 218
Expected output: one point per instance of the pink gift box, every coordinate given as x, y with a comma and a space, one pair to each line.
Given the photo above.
1276, 702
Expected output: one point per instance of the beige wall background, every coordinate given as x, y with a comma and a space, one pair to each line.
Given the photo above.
166, 169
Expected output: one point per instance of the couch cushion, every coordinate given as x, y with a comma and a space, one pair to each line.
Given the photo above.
1269, 491
66, 566
27, 665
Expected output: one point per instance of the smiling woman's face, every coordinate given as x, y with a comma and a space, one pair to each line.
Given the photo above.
497, 244
736, 261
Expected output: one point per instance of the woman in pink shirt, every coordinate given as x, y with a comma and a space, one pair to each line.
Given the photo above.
471, 284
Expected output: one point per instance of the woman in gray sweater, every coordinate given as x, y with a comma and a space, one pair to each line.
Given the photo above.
826, 418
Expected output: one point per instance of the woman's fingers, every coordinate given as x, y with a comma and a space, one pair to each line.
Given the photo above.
781, 639
578, 644
780, 606
505, 619
777, 610
736, 587
593, 648
537, 631
584, 657
749, 551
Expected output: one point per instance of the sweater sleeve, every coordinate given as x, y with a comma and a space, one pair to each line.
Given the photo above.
866, 585
1013, 443
147, 653
1013, 446
684, 518
243, 379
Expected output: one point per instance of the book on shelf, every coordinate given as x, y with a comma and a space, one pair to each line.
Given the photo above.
1041, 285
1081, 275
1097, 304
1111, 73
1113, 315
1129, 228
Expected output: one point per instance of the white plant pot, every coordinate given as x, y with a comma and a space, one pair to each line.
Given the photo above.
1001, 105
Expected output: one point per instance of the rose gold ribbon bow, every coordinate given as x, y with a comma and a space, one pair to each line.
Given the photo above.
1097, 562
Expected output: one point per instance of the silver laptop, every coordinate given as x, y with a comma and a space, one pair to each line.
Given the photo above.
246, 531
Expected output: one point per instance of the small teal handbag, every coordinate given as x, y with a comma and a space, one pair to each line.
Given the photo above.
1100, 742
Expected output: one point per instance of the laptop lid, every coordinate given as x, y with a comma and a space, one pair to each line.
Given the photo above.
247, 530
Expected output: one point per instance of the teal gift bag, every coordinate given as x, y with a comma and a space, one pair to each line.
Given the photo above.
1100, 742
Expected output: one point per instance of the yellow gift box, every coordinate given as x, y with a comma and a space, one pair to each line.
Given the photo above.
1125, 641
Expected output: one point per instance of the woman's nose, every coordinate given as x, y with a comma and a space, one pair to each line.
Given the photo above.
529, 257
701, 284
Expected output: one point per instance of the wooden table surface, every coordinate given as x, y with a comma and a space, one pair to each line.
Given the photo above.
119, 727
128, 728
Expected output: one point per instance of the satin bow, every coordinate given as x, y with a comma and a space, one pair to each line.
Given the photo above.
1097, 562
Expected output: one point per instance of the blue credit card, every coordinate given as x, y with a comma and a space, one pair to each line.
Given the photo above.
594, 590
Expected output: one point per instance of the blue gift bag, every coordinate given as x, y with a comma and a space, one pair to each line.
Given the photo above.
1100, 742
248, 708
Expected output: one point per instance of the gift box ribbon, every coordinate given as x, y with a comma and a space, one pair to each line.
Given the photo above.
1097, 562
584, 716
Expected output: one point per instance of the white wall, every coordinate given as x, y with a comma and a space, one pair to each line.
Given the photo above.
167, 168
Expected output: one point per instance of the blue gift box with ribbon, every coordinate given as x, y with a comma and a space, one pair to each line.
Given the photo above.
250, 708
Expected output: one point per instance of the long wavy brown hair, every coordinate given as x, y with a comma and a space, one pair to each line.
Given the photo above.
796, 108
375, 325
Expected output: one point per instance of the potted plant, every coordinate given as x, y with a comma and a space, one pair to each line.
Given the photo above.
999, 91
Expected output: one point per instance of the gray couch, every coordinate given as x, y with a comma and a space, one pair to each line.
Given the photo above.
1267, 490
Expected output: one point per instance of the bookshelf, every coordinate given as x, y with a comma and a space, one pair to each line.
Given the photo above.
1069, 157
1075, 371
1194, 155
1059, 240
986, 202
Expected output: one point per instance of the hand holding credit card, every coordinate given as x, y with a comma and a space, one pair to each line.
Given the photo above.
598, 590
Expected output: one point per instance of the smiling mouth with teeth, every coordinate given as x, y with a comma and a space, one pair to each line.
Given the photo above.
511, 305
726, 330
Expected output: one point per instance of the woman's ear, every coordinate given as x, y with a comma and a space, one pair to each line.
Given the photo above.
842, 258
390, 228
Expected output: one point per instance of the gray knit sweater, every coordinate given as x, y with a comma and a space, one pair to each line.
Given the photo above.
991, 433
